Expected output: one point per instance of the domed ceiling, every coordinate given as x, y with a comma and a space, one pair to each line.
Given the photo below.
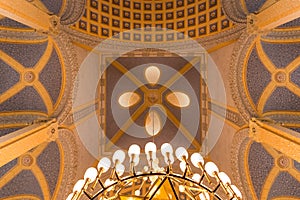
40, 81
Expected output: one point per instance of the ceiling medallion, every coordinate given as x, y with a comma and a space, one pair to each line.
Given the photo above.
202, 181
27, 160
29, 76
154, 97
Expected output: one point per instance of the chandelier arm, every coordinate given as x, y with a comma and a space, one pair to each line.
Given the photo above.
87, 194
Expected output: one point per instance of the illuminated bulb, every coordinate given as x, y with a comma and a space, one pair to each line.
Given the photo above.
79, 185
181, 188
137, 193
104, 163
224, 178
180, 153
211, 168
153, 178
134, 149
196, 177
236, 191
196, 158
120, 168
166, 148
150, 147
118, 155
90, 174
204, 196
70, 196
182, 166
108, 183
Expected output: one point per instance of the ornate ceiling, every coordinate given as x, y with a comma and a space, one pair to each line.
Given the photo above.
39, 83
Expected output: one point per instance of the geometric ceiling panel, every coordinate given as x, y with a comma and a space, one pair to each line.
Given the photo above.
35, 174
51, 76
256, 71
253, 6
6, 22
21, 52
8, 76
281, 54
282, 99
285, 185
54, 6
260, 164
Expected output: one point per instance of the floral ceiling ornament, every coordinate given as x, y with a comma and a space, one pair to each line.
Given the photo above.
153, 123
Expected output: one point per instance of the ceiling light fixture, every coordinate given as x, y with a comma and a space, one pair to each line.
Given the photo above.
200, 181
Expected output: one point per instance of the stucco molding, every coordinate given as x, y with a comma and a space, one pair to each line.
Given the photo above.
74, 9
71, 68
70, 165
239, 145
234, 11
236, 76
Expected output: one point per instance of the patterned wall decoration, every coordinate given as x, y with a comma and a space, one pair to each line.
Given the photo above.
195, 19
34, 175
263, 172
265, 78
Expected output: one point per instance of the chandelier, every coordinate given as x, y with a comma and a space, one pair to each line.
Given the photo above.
177, 180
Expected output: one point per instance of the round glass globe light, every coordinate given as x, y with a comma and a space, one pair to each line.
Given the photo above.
181, 152
70, 196
119, 155
224, 178
236, 191
79, 185
134, 149
196, 158
104, 163
196, 177
211, 168
90, 174
166, 148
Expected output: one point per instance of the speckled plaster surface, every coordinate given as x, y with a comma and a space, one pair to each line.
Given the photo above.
8, 76
49, 162
258, 76
297, 165
27, 99
285, 185
253, 6
260, 165
281, 54
51, 76
6, 22
53, 5
4, 169
282, 99
7, 130
26, 54
24, 183
295, 76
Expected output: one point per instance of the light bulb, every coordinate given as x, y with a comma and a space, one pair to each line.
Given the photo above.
166, 148
182, 166
181, 188
171, 159
120, 168
180, 153
204, 196
104, 163
196, 158
79, 185
196, 177
137, 193
90, 174
134, 149
236, 191
211, 168
119, 155
224, 178
108, 183
150, 147
70, 196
